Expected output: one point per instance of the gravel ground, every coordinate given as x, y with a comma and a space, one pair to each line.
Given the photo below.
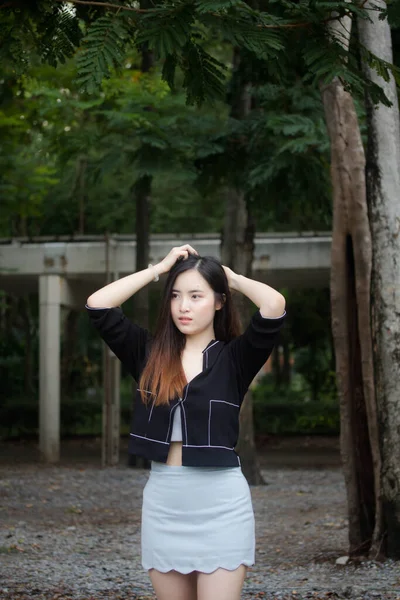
73, 532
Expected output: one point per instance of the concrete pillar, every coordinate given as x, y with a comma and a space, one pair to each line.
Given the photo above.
111, 408
49, 367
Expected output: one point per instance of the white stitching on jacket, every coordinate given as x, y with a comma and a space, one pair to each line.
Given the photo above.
169, 424
194, 446
151, 412
149, 439
207, 349
209, 416
184, 412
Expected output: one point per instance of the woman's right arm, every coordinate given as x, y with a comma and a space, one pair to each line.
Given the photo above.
116, 293
127, 340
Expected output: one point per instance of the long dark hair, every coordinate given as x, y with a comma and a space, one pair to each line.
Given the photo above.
163, 374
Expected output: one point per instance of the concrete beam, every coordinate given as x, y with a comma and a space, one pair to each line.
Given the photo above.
287, 259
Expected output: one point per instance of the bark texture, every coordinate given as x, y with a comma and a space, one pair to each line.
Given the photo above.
237, 253
383, 192
350, 303
142, 197
142, 194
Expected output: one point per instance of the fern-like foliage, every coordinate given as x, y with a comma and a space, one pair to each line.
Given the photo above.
392, 13
219, 6
288, 156
243, 33
169, 69
59, 35
178, 32
203, 74
102, 51
326, 59
166, 30
383, 69
12, 49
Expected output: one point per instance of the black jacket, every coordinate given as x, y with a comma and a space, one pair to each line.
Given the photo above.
210, 402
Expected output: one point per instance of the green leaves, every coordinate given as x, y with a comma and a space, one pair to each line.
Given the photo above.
287, 175
255, 37
166, 30
102, 51
203, 75
384, 70
169, 69
58, 36
179, 31
218, 6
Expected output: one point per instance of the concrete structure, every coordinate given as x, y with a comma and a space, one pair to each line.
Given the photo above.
65, 271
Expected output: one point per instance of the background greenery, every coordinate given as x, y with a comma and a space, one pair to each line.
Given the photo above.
73, 148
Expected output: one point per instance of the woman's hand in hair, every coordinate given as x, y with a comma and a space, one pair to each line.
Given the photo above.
270, 302
177, 253
231, 276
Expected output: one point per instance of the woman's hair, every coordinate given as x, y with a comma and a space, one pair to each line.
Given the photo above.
163, 374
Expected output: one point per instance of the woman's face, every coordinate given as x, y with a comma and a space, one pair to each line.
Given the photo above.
193, 303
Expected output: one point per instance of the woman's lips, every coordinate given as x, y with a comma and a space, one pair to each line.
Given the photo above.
185, 321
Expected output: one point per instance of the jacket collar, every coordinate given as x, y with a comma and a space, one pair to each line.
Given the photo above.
209, 345
211, 353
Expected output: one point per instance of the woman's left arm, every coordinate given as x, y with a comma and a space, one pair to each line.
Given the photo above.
270, 302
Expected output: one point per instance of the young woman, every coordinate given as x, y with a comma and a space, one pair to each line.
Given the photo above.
197, 517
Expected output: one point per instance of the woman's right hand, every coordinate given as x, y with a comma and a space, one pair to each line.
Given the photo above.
176, 253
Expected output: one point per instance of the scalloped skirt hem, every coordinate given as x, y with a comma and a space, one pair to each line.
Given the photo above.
197, 519
198, 568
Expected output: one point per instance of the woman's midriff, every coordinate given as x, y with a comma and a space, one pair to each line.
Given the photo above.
175, 454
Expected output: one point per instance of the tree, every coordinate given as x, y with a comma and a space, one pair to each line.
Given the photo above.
383, 194
177, 31
237, 252
350, 302
369, 428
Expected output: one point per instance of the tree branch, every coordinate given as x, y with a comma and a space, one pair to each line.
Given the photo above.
104, 4
120, 7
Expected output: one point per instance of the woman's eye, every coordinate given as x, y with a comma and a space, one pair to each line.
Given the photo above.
195, 296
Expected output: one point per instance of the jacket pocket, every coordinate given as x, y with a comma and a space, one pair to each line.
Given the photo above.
142, 414
223, 423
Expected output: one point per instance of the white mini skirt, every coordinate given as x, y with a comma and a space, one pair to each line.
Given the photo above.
196, 519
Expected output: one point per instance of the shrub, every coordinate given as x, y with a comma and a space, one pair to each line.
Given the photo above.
289, 411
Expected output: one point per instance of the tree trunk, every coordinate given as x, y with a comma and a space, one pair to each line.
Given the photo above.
142, 192
81, 195
237, 252
383, 192
350, 303
142, 196
78, 191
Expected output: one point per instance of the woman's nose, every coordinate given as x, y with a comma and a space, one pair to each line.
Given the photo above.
184, 305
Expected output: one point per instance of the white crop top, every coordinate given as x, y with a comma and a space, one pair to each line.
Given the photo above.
176, 435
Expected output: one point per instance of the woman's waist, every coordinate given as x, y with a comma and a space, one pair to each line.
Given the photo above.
184, 469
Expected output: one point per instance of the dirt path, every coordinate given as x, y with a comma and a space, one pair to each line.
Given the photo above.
72, 532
